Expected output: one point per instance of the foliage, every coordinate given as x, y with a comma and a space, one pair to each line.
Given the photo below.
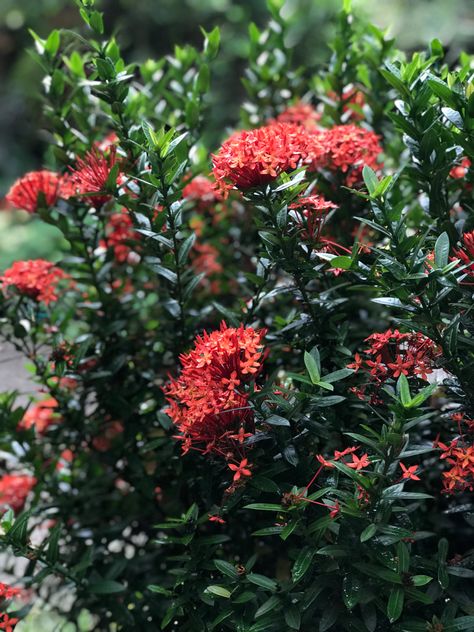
308, 462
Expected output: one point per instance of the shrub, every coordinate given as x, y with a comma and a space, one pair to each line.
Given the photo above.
255, 401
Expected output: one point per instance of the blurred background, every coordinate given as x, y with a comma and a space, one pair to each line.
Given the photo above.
150, 28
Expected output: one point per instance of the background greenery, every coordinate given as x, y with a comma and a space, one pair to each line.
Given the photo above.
150, 28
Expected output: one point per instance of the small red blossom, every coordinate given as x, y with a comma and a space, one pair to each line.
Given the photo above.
311, 214
14, 490
37, 188
120, 236
216, 518
91, 175
410, 472
240, 470
460, 171
338, 455
466, 254
359, 463
40, 416
7, 623
324, 462
35, 278
335, 510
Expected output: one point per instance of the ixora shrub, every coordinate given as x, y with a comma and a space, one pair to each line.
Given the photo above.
255, 362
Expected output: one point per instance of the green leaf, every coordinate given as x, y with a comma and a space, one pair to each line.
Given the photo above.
370, 179
459, 624
262, 581
395, 604
265, 507
105, 587
403, 390
421, 580
18, 533
276, 420
226, 568
302, 563
220, 591
403, 558
441, 250
312, 366
160, 590
341, 261
51, 45
268, 606
52, 552
368, 532
293, 617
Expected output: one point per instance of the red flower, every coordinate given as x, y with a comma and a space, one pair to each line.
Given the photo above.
35, 278
7, 623
335, 511
92, 173
349, 149
410, 472
120, 234
299, 114
311, 213
14, 489
241, 469
251, 158
7, 592
41, 416
206, 411
205, 259
359, 463
460, 171
338, 455
35, 189
202, 191
466, 253
392, 353
217, 519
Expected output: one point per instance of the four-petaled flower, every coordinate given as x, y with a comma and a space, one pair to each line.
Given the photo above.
410, 472
359, 463
241, 469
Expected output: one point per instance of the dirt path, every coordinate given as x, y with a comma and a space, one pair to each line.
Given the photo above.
13, 375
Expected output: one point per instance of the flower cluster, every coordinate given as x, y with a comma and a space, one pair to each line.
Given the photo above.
299, 113
354, 461
14, 490
466, 253
459, 453
203, 193
310, 214
36, 278
92, 173
393, 353
349, 149
119, 234
209, 402
40, 416
38, 188
258, 156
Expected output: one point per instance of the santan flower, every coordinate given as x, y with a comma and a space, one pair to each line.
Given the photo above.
35, 278
255, 157
92, 173
14, 489
209, 401
35, 189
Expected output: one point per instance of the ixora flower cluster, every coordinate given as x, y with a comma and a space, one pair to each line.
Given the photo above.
36, 279
255, 157
209, 401
393, 353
